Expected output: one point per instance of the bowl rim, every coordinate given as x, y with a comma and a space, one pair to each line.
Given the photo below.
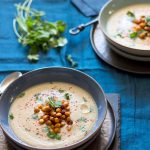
73, 145
109, 37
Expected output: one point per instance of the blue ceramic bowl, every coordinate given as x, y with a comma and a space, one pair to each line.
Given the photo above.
107, 11
48, 75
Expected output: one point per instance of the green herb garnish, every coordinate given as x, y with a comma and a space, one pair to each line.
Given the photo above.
82, 119
35, 116
147, 19
67, 96
131, 14
11, 116
35, 32
61, 91
53, 135
134, 35
71, 61
53, 103
37, 96
46, 129
84, 99
120, 35
21, 95
91, 109
82, 128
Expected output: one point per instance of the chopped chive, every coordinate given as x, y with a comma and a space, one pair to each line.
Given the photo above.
11, 116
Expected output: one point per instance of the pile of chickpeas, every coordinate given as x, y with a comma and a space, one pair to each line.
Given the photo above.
141, 24
55, 118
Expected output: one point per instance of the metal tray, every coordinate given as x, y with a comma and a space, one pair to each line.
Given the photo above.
112, 58
101, 141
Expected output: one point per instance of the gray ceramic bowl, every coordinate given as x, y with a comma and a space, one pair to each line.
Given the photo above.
113, 6
48, 75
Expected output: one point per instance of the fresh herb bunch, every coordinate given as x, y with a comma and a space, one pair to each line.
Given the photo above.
36, 33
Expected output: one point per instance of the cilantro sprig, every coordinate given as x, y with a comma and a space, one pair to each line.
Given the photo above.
67, 96
53, 135
71, 61
53, 103
35, 32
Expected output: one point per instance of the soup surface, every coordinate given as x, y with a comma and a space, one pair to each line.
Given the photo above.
25, 118
130, 26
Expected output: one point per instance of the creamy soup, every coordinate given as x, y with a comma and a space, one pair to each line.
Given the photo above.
26, 114
124, 28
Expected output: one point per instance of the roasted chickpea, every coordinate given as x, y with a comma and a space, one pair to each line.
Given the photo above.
68, 128
67, 113
70, 122
45, 108
52, 126
65, 104
57, 125
63, 116
137, 28
148, 34
46, 117
36, 110
56, 120
48, 122
62, 124
58, 110
51, 118
53, 113
136, 21
58, 115
147, 28
68, 119
142, 25
40, 106
46, 113
68, 108
142, 36
41, 121
56, 130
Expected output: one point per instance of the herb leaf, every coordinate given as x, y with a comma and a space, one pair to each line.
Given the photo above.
11, 116
71, 61
53, 135
54, 104
35, 116
61, 91
21, 95
131, 14
134, 35
82, 119
35, 32
67, 96
147, 19
84, 99
46, 129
